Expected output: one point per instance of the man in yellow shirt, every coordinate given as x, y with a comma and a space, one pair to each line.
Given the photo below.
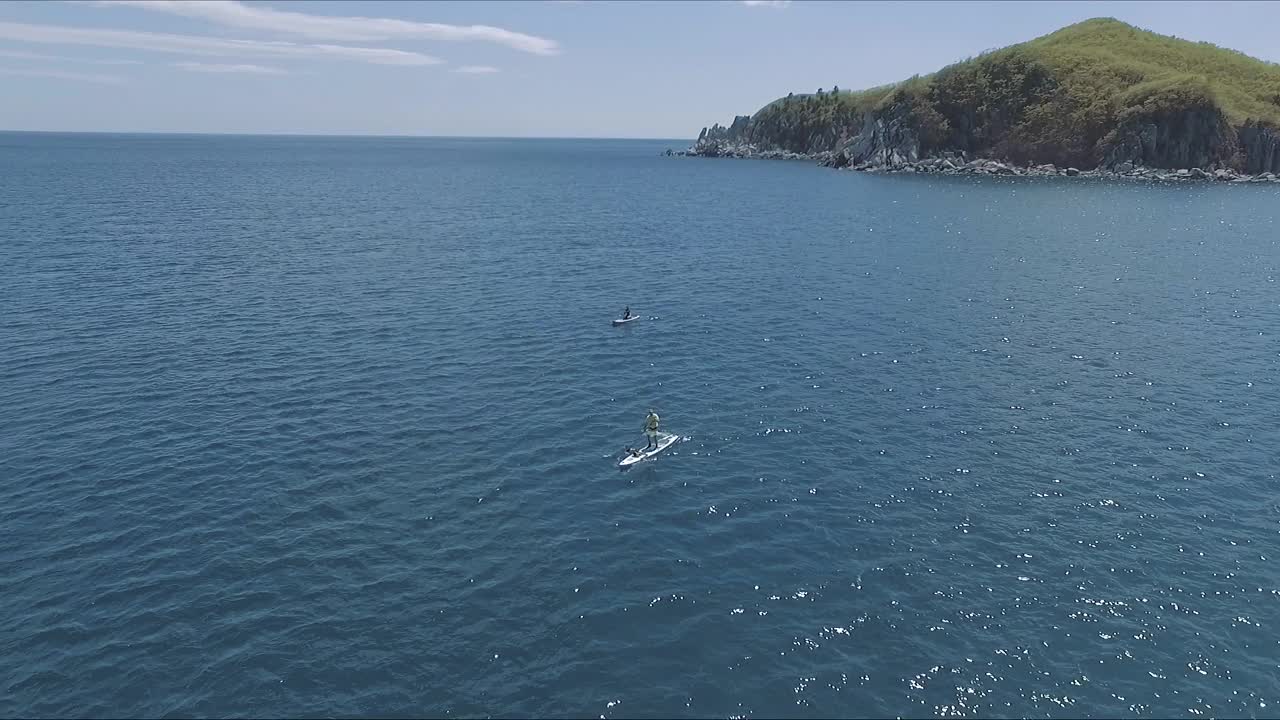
651, 430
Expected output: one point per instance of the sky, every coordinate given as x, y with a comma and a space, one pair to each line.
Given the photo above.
532, 68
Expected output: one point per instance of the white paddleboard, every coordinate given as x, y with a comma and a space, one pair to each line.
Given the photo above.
621, 321
664, 441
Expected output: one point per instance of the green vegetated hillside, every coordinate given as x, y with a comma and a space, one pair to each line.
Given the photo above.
1098, 93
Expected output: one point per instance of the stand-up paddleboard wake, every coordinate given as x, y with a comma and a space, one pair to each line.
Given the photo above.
633, 456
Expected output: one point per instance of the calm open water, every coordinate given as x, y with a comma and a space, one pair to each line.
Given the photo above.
317, 426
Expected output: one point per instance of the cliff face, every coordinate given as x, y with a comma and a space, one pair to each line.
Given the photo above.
1191, 138
1100, 94
888, 138
819, 127
1260, 146
892, 136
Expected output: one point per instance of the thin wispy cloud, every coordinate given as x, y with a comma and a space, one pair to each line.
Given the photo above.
231, 13
23, 55
62, 75
200, 45
20, 55
476, 69
766, 3
235, 69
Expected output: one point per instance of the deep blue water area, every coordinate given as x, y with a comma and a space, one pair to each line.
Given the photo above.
329, 426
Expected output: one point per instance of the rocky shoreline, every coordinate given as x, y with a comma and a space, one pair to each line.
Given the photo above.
958, 164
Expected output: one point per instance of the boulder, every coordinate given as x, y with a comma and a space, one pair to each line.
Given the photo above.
1072, 172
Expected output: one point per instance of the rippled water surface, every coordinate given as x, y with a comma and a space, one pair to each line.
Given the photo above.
307, 427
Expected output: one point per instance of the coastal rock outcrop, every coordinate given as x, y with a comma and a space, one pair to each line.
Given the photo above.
1039, 108
1192, 138
1193, 145
1260, 146
886, 139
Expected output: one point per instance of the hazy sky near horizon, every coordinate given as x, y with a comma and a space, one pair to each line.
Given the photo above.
528, 68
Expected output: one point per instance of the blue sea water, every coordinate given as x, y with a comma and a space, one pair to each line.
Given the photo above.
329, 427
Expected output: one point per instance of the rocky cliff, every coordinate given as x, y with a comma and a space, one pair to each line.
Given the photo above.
1100, 95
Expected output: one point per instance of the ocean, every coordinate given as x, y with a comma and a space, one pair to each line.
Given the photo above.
298, 426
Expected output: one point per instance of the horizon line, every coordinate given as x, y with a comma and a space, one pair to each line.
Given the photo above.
333, 135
